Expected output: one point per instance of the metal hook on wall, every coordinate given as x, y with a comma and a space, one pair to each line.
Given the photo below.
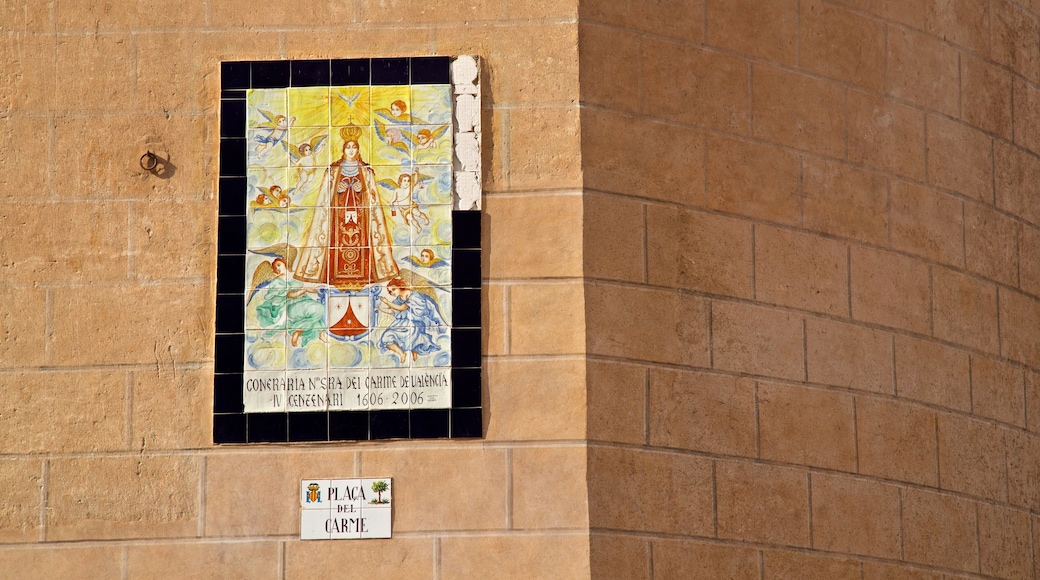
149, 161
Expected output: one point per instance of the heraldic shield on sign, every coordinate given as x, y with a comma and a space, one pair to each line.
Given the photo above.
350, 267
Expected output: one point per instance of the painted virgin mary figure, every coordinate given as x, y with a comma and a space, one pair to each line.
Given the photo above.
347, 242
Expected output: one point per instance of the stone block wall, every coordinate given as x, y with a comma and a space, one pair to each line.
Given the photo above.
107, 467
812, 318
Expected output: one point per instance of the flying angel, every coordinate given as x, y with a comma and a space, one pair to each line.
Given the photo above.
427, 259
416, 316
273, 196
302, 158
403, 202
277, 126
304, 315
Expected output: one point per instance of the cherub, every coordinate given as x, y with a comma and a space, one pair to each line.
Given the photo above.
427, 139
302, 158
403, 201
427, 259
277, 126
273, 196
396, 114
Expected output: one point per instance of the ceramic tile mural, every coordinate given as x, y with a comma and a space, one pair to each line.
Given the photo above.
358, 276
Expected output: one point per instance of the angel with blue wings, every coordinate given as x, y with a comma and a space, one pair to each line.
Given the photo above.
286, 298
302, 158
404, 141
427, 259
404, 203
277, 126
416, 318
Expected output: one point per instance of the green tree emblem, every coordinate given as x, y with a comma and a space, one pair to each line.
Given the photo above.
379, 487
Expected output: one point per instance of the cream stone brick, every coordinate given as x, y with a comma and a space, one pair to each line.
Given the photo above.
68, 563
63, 411
17, 16
845, 201
1015, 38
547, 319
545, 399
682, 19
20, 513
798, 111
413, 12
933, 373
842, 45
88, 64
100, 157
652, 160
24, 147
172, 239
613, 238
685, 559
377, 41
698, 251
764, 30
552, 249
150, 324
620, 479
849, 356
172, 408
997, 391
224, 561
890, 289
960, 158
52, 242
110, 15
1026, 99
939, 530
544, 148
927, 223
1020, 317
756, 340
886, 135
802, 271
562, 557
962, 22
29, 69
909, 12
560, 469
878, 571
531, 63
84, 499
762, 503
1023, 469
1028, 258
616, 402
971, 457
178, 70
985, 96
23, 326
735, 171
991, 244
304, 13
540, 9
712, 92
619, 557
1005, 547
399, 558
964, 310
702, 412
427, 484
923, 70
855, 516
647, 324
896, 440
778, 565
807, 426
608, 75
1017, 178
497, 327
234, 479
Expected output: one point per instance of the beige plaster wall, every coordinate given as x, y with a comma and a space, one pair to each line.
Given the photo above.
811, 244
107, 302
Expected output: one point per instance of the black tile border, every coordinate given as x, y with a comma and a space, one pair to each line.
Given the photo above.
231, 425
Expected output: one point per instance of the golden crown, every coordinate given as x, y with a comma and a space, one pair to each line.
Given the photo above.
350, 133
